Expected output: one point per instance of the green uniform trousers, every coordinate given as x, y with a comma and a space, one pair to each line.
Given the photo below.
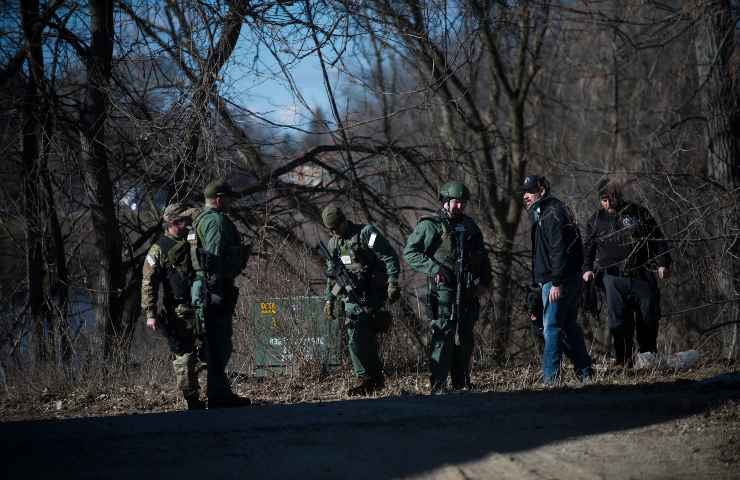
219, 332
452, 341
362, 342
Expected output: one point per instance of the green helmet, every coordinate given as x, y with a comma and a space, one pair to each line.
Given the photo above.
456, 190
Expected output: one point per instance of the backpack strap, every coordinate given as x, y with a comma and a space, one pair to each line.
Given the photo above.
194, 243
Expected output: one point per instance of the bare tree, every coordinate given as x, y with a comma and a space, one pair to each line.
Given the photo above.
715, 45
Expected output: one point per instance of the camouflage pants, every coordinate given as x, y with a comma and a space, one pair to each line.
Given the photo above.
452, 341
362, 343
186, 373
182, 344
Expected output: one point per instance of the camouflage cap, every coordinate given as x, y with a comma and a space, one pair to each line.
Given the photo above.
175, 211
332, 216
218, 188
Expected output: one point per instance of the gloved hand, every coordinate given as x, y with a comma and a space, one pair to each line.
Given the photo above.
394, 293
329, 310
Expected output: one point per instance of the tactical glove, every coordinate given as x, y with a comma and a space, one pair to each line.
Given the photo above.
394, 293
329, 310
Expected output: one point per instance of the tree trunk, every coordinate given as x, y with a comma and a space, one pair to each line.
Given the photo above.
108, 282
714, 46
32, 193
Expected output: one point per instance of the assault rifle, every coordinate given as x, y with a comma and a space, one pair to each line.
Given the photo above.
460, 280
344, 281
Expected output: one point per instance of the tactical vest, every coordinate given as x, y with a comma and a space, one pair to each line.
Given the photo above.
444, 248
357, 258
178, 271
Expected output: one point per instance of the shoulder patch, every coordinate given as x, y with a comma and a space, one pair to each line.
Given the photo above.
371, 242
151, 261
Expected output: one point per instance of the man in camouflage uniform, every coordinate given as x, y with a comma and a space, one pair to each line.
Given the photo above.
218, 258
164, 270
434, 249
372, 262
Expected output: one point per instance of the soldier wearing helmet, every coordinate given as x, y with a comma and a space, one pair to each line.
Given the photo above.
167, 270
448, 248
373, 266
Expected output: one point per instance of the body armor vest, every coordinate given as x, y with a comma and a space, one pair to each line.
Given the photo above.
177, 270
369, 272
444, 249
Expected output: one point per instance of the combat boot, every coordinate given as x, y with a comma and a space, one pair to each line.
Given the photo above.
437, 387
363, 386
379, 383
195, 403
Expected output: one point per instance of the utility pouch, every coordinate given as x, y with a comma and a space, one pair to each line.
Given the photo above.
185, 313
432, 304
198, 293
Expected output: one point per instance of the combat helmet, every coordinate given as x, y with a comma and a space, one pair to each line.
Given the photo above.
456, 190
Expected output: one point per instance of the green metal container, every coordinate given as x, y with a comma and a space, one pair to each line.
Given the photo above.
291, 334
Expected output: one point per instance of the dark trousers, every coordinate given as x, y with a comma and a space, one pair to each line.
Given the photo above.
633, 304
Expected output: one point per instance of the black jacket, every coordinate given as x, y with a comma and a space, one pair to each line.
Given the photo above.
629, 239
556, 242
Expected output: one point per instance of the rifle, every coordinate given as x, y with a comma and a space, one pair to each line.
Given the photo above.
344, 281
460, 280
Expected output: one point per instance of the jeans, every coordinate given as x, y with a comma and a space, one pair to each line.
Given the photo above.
562, 332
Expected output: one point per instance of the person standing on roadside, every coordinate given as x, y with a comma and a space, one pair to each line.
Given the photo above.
167, 269
371, 266
625, 244
557, 255
218, 257
449, 249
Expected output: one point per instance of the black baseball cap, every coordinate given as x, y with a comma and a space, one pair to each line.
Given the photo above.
533, 184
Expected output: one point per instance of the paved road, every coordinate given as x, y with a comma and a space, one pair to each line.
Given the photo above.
593, 432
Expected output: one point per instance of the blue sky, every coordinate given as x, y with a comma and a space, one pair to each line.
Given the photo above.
254, 80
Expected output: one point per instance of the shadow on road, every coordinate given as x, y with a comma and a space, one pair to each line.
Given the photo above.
374, 438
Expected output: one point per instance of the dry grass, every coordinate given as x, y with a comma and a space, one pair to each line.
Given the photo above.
150, 388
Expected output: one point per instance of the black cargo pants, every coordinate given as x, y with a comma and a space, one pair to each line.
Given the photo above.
633, 304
